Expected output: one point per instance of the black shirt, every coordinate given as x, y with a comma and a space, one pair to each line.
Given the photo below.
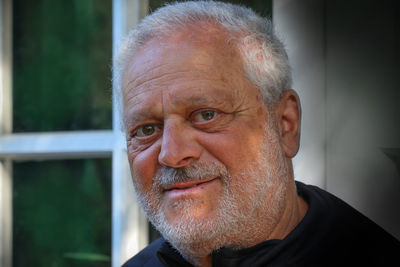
331, 234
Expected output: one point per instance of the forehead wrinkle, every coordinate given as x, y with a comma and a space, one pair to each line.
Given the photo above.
132, 82
201, 64
200, 98
171, 76
168, 76
165, 69
135, 90
196, 100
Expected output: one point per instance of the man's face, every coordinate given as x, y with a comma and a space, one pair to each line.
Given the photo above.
203, 150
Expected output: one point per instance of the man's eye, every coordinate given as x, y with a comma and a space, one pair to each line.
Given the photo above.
146, 130
203, 116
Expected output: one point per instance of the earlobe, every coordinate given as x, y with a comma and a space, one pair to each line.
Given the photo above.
289, 117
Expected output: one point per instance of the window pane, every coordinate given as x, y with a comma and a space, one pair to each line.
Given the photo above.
62, 213
61, 65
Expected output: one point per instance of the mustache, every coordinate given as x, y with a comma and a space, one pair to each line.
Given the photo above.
196, 171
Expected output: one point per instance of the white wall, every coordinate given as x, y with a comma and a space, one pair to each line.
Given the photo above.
300, 26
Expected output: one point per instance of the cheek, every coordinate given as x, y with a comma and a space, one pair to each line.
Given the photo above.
236, 148
230, 149
143, 167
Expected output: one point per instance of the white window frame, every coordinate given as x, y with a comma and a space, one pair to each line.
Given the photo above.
129, 227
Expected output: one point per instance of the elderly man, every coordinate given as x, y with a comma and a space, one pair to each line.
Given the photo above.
211, 126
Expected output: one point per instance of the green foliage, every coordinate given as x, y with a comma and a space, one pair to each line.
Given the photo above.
61, 72
62, 213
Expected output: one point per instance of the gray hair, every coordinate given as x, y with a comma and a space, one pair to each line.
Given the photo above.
265, 60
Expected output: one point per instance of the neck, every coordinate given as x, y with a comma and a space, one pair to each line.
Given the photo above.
294, 211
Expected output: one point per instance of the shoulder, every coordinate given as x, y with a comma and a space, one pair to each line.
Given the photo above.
148, 256
339, 215
342, 232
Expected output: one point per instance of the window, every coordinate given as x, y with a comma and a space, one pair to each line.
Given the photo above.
64, 178
61, 60
61, 212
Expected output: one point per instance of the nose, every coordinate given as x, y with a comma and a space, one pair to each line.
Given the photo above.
179, 146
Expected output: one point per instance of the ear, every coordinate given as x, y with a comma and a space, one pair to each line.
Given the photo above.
288, 112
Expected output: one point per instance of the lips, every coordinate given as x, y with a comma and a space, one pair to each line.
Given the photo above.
187, 185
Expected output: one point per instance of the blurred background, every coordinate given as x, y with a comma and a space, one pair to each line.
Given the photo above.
66, 198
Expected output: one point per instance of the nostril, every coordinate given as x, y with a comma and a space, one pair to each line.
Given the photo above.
177, 158
185, 161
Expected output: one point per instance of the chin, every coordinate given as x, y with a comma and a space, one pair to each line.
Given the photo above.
194, 236
188, 210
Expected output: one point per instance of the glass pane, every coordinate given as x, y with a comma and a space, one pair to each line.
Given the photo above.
62, 213
262, 7
61, 65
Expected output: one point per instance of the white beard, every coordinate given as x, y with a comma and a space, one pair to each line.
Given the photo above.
250, 205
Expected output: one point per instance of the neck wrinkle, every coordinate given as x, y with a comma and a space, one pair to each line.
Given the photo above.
294, 212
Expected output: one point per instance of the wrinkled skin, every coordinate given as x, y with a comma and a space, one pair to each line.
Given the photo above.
187, 103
